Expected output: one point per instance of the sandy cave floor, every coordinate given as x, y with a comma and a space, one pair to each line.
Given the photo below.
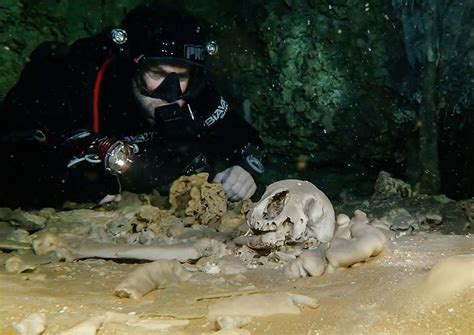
376, 297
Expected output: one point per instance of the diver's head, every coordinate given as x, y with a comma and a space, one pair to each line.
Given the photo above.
158, 84
170, 49
164, 33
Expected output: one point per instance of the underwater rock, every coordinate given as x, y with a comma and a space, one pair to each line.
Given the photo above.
291, 210
468, 208
433, 219
19, 235
401, 221
449, 277
86, 217
386, 186
5, 212
27, 221
148, 220
234, 220
195, 197
47, 212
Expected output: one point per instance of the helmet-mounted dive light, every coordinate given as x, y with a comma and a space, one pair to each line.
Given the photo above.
212, 48
119, 36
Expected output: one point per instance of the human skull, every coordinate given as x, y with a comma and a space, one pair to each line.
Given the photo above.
293, 210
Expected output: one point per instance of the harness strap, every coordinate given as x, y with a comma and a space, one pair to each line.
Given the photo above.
96, 95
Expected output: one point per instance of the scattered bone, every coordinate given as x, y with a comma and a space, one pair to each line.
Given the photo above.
19, 263
342, 219
359, 217
305, 300
293, 210
74, 248
227, 265
246, 254
87, 327
92, 325
278, 256
180, 312
343, 227
230, 322
9, 245
254, 306
15, 264
150, 277
156, 325
310, 263
270, 240
44, 243
228, 294
31, 325
366, 241
232, 331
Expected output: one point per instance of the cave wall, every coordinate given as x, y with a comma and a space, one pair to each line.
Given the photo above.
327, 83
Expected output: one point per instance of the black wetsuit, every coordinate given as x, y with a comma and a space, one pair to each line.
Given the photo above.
54, 99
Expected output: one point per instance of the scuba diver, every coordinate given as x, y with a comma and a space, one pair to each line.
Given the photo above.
129, 109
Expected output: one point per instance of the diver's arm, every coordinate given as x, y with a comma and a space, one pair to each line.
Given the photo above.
229, 141
226, 137
39, 128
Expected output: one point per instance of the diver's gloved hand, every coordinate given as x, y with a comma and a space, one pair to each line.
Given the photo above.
110, 198
238, 184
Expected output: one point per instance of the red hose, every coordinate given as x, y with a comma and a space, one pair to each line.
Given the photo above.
95, 103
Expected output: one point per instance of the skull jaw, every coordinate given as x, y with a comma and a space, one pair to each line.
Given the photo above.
275, 237
296, 210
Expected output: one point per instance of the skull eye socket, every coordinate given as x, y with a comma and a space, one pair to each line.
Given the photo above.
275, 205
